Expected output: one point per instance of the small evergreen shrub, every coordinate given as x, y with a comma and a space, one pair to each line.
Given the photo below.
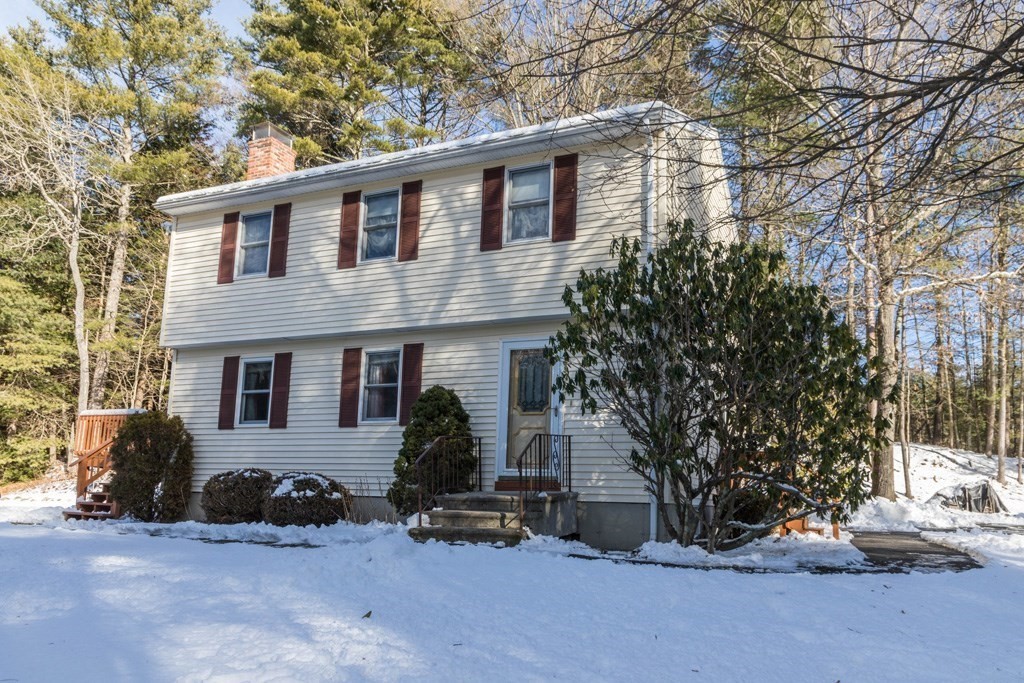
437, 412
152, 459
236, 497
304, 498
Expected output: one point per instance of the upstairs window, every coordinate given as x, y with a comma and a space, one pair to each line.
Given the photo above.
380, 386
254, 403
380, 226
254, 245
529, 206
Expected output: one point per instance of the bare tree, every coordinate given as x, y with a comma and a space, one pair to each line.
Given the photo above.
47, 151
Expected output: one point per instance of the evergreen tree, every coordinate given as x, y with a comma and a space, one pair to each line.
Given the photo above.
36, 360
352, 77
147, 73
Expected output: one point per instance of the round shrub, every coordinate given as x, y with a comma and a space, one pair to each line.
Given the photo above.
152, 461
437, 412
236, 497
304, 498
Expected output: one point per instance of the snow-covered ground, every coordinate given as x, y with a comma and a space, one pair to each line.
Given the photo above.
934, 469
125, 601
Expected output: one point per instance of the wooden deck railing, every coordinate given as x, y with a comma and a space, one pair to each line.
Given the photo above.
94, 434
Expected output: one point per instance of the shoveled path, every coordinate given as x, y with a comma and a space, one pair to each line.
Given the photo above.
905, 551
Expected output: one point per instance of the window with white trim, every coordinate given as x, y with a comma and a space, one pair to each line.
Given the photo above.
254, 401
380, 385
529, 205
254, 244
380, 225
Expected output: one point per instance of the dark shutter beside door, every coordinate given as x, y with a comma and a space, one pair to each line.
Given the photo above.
348, 240
228, 241
348, 412
279, 240
279, 391
565, 190
228, 392
412, 379
492, 209
409, 226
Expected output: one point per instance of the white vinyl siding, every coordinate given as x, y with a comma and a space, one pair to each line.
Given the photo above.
451, 283
466, 360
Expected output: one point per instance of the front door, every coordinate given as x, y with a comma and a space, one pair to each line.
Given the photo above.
529, 409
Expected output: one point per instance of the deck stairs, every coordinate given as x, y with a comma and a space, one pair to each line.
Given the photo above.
95, 503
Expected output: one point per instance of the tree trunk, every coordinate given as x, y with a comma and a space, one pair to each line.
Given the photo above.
1020, 417
81, 336
112, 299
969, 376
882, 484
989, 375
1003, 359
905, 403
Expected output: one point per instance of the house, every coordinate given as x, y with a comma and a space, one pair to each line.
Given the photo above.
306, 310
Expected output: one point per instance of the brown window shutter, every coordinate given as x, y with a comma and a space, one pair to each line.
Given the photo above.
279, 390
348, 413
409, 226
348, 241
228, 240
279, 240
228, 392
492, 208
412, 380
564, 209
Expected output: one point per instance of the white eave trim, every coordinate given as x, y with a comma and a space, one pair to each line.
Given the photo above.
590, 128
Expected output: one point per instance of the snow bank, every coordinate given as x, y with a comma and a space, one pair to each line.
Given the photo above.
794, 552
39, 505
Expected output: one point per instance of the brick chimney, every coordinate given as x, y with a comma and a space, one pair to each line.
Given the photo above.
270, 152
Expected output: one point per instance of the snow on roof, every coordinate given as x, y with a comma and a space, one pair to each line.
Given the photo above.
604, 125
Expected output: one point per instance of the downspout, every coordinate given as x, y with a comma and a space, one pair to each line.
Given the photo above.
647, 199
163, 316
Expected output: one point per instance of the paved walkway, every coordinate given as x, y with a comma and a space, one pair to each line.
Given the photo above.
902, 552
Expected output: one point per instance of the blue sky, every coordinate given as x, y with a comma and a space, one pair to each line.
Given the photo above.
228, 13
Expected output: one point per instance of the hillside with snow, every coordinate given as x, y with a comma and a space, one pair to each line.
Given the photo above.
935, 470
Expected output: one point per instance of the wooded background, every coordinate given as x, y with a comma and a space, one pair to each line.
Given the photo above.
879, 143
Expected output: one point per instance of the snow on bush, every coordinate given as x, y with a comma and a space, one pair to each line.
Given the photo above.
236, 497
304, 498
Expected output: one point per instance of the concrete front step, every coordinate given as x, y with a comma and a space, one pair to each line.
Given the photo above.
480, 502
477, 519
451, 534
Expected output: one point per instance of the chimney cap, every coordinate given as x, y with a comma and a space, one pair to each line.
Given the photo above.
266, 129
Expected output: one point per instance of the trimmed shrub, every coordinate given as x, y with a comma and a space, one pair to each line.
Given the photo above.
152, 459
437, 412
236, 497
304, 498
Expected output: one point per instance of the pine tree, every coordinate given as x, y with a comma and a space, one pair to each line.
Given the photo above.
352, 77
148, 73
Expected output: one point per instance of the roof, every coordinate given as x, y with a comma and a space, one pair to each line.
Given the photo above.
561, 133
